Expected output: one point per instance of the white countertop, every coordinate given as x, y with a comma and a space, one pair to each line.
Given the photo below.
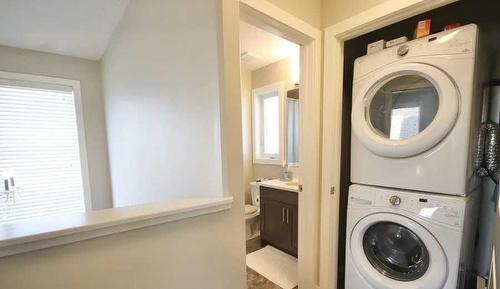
292, 186
33, 234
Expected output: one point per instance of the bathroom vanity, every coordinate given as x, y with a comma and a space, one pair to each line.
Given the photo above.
279, 217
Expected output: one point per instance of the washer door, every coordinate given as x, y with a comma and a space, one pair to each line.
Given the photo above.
392, 251
405, 109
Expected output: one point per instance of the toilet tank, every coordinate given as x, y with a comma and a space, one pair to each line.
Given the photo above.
255, 191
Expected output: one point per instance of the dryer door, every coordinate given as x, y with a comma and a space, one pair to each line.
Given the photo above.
404, 109
392, 251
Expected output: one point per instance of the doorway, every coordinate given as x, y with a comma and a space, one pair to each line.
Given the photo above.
268, 17
270, 98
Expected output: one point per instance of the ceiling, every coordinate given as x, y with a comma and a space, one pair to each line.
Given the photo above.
80, 28
259, 48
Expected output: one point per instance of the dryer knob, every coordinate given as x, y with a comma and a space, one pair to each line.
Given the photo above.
403, 50
395, 200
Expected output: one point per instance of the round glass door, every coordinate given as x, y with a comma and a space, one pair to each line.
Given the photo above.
396, 251
392, 251
403, 107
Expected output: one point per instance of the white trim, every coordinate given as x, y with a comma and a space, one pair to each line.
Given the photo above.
379, 16
40, 233
280, 87
279, 21
267, 16
75, 85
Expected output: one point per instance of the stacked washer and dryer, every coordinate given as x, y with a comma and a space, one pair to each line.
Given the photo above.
416, 116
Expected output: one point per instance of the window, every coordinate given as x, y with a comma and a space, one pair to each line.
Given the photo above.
268, 124
42, 151
404, 122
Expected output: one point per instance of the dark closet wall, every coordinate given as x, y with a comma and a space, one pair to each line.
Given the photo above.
484, 13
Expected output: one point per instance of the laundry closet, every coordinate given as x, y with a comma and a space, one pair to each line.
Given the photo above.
419, 151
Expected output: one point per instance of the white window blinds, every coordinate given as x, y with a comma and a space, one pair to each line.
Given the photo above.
39, 149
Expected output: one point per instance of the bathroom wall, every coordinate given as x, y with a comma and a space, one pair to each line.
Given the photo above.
246, 113
160, 76
89, 75
279, 71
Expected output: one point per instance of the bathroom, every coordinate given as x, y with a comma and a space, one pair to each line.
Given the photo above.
270, 81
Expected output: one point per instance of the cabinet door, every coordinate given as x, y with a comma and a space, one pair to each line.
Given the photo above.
275, 229
293, 214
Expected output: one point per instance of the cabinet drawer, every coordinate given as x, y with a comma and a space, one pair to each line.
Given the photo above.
283, 196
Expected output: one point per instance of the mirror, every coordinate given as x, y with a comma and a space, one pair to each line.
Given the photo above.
293, 124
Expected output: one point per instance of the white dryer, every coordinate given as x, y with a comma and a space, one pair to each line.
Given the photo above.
416, 113
397, 239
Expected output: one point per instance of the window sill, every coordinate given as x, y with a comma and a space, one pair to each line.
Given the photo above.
267, 162
30, 235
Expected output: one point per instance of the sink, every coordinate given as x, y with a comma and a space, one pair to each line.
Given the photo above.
291, 182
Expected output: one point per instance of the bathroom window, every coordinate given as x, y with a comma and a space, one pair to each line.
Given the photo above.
267, 124
42, 159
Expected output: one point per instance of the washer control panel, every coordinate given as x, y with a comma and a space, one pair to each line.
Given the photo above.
437, 208
395, 200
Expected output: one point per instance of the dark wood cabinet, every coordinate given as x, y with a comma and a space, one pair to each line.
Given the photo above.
279, 219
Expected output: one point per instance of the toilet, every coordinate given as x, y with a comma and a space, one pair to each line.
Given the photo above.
252, 213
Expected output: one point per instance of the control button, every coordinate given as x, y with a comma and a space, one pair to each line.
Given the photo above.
395, 200
403, 50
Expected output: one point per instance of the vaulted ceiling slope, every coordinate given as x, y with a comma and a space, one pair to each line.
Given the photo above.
79, 28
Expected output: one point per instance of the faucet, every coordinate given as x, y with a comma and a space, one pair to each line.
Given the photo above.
285, 174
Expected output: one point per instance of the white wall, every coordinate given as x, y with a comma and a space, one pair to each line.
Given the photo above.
88, 73
308, 11
334, 11
160, 74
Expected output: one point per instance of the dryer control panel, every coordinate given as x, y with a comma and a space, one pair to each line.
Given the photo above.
436, 208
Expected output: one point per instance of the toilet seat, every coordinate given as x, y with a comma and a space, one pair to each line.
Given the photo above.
251, 211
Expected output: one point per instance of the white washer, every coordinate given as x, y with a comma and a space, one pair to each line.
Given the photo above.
400, 239
416, 113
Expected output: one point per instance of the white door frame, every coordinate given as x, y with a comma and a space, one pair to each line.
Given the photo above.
275, 20
369, 20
